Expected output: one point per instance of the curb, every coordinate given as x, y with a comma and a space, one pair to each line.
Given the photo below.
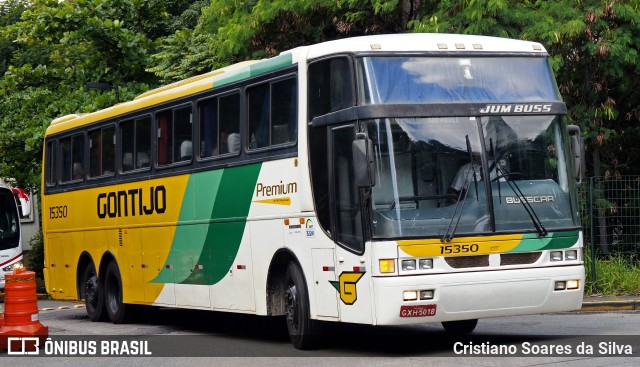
631, 305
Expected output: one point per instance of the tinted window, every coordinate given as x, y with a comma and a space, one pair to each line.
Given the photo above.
136, 143
102, 152
272, 113
220, 126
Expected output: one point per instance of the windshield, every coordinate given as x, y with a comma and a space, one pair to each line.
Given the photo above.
432, 175
401, 79
9, 221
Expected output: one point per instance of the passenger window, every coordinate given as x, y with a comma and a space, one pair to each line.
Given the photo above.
72, 151
174, 136
136, 144
102, 150
273, 110
220, 126
50, 163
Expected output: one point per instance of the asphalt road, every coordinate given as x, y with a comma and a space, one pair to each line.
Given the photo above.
192, 338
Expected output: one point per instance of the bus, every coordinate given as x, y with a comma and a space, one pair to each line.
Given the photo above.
10, 239
316, 185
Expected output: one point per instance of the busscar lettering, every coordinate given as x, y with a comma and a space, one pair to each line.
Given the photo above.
133, 202
530, 199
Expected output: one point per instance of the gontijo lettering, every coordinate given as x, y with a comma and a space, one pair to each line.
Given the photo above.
132, 202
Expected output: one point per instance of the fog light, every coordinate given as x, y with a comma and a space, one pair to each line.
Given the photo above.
556, 255
426, 294
425, 264
410, 295
573, 284
571, 255
560, 286
387, 265
408, 265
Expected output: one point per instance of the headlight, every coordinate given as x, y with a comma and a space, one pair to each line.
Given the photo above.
571, 255
556, 255
408, 265
425, 264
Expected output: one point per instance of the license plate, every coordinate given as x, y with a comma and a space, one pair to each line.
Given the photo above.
418, 311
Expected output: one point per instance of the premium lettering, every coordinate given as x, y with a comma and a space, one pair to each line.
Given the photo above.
133, 202
277, 189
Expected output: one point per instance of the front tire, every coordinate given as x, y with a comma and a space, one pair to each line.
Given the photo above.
119, 312
303, 331
460, 327
93, 294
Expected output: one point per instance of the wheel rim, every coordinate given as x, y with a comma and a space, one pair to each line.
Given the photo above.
291, 304
91, 290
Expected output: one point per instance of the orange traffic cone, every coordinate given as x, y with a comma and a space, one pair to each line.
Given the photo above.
21, 311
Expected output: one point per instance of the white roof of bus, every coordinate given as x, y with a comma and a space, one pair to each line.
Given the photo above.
405, 42
420, 42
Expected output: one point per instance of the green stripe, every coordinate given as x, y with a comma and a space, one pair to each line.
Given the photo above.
223, 239
552, 241
188, 240
258, 68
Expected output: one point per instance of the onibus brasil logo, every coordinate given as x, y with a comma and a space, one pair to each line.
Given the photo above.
346, 286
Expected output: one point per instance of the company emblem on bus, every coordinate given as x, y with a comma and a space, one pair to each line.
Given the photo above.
346, 286
132, 202
516, 108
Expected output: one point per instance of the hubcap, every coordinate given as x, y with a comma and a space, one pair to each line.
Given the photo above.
91, 290
291, 304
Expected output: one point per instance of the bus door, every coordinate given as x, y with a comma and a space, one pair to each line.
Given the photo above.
352, 267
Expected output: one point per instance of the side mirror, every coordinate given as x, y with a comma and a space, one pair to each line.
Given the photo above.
363, 161
22, 198
577, 151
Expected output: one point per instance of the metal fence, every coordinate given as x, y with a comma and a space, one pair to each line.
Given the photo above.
610, 211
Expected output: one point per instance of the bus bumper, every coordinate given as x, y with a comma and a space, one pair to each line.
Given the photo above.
474, 295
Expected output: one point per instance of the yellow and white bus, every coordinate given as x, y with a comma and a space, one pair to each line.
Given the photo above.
322, 184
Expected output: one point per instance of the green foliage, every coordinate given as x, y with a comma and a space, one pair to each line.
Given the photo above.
230, 31
616, 276
55, 48
35, 258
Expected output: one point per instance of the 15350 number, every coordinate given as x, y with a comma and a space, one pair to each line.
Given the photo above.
459, 249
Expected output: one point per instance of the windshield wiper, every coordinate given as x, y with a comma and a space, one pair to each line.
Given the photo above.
462, 196
523, 200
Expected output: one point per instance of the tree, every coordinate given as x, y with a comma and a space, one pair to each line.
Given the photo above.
55, 48
230, 31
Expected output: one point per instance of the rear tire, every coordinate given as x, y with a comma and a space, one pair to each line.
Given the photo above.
460, 327
93, 294
303, 331
119, 312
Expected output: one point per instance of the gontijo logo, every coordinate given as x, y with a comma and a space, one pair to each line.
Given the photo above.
346, 286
